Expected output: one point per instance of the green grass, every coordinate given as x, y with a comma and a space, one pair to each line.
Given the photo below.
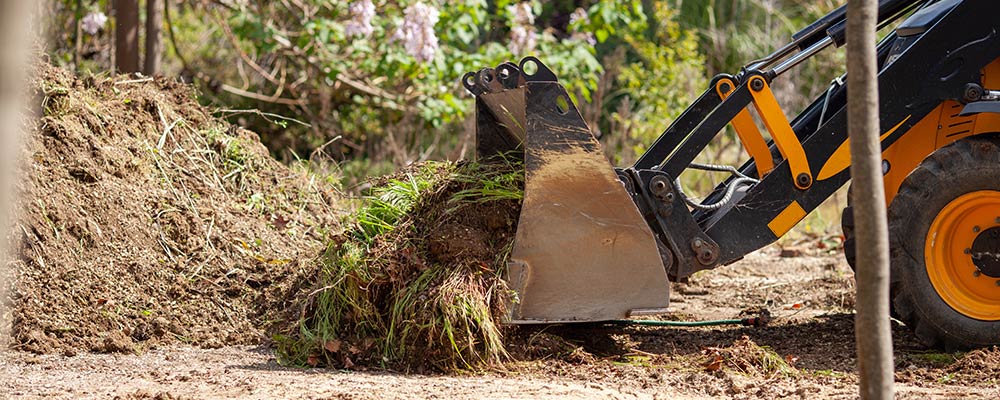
937, 359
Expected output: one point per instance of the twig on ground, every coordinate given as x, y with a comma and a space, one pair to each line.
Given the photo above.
130, 81
276, 99
265, 115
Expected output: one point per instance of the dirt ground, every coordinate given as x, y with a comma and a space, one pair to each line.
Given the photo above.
806, 352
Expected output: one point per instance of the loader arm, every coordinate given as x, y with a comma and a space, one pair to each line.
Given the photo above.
585, 253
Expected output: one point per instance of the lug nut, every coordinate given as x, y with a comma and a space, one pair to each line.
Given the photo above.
975, 228
967, 251
976, 273
998, 283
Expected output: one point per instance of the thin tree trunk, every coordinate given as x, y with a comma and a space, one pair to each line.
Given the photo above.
127, 36
15, 27
77, 35
154, 43
871, 329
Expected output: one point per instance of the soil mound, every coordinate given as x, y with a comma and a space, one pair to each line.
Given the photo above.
414, 283
147, 221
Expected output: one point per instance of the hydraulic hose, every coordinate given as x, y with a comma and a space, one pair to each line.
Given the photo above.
730, 190
741, 179
757, 322
714, 167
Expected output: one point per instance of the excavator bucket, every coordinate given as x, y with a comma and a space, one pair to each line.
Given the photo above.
583, 251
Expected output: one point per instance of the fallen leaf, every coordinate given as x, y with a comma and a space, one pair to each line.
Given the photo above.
485, 267
279, 221
348, 363
790, 359
312, 361
715, 364
332, 346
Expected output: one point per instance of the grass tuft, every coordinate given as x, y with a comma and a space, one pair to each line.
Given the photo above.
393, 293
749, 358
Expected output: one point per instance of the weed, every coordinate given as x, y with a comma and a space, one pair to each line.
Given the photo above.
946, 378
828, 372
938, 359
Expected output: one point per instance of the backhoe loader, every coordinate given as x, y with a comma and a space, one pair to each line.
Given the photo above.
598, 243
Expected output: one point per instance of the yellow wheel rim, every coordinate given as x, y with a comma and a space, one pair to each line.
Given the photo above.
949, 264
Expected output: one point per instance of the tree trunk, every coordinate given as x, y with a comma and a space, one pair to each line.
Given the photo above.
154, 43
871, 329
77, 35
15, 28
127, 36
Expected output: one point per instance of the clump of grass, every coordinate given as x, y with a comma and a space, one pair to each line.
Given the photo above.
387, 299
937, 360
749, 358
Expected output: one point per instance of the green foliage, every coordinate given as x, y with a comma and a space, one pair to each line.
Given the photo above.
369, 87
660, 83
300, 60
734, 32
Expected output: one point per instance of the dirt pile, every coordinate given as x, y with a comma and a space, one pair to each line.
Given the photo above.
414, 283
147, 221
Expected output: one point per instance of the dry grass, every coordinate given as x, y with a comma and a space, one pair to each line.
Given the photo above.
749, 358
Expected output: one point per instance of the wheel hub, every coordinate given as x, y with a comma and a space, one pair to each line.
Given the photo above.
962, 254
986, 252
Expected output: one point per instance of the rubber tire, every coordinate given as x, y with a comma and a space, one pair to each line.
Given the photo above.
968, 165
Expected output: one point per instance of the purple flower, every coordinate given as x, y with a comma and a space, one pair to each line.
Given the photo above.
362, 13
417, 31
578, 15
93, 22
523, 37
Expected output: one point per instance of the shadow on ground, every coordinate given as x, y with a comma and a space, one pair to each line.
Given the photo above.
824, 343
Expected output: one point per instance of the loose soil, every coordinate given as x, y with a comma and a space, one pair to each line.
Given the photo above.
812, 332
146, 221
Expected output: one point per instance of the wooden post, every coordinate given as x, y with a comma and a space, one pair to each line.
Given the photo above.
871, 329
154, 43
127, 36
